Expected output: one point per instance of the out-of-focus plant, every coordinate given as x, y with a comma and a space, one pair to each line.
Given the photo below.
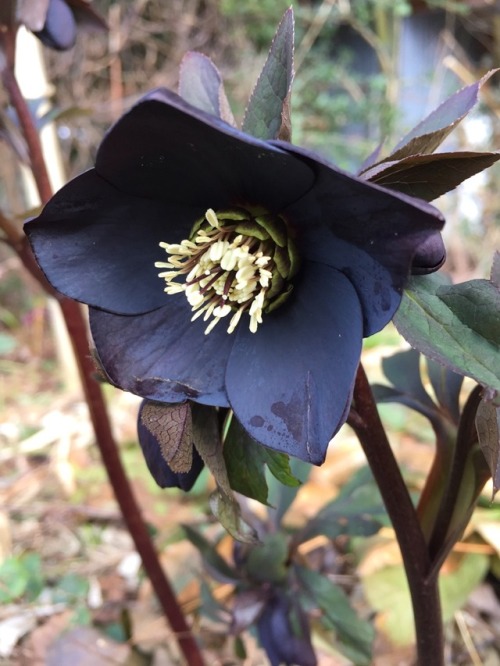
291, 261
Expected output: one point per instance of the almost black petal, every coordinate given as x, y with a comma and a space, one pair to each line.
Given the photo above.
158, 466
430, 256
162, 355
59, 30
166, 149
284, 642
289, 383
385, 225
98, 245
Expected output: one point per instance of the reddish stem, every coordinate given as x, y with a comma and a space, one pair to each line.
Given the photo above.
423, 584
77, 329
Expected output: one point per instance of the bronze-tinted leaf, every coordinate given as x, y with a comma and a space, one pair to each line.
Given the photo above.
200, 84
268, 111
172, 427
429, 176
488, 431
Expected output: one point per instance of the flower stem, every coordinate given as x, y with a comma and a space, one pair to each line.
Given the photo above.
77, 329
423, 584
458, 500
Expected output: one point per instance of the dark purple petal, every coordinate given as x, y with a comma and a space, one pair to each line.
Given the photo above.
284, 641
158, 466
368, 232
289, 383
162, 355
59, 30
98, 245
430, 256
165, 149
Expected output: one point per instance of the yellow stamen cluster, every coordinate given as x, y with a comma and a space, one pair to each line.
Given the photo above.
226, 271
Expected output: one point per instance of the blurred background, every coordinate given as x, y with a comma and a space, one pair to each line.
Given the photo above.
366, 72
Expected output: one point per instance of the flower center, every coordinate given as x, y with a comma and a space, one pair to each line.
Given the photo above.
234, 261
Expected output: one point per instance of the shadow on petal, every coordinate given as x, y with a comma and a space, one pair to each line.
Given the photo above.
162, 355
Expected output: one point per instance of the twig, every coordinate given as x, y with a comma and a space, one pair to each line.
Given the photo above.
77, 330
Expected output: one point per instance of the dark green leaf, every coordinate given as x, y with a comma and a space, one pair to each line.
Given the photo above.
355, 634
447, 385
281, 497
172, 426
200, 84
279, 466
488, 431
430, 176
239, 649
431, 132
215, 562
358, 510
457, 326
210, 606
246, 459
403, 371
267, 113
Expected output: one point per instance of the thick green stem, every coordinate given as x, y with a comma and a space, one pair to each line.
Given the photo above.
365, 421
77, 330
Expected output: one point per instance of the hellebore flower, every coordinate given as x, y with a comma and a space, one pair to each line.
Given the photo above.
160, 470
56, 26
298, 259
285, 641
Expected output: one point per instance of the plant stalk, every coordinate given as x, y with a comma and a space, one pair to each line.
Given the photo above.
423, 584
77, 330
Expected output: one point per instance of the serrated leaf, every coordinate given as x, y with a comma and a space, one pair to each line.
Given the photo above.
429, 176
200, 84
431, 132
172, 427
267, 113
488, 432
338, 614
215, 562
457, 326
